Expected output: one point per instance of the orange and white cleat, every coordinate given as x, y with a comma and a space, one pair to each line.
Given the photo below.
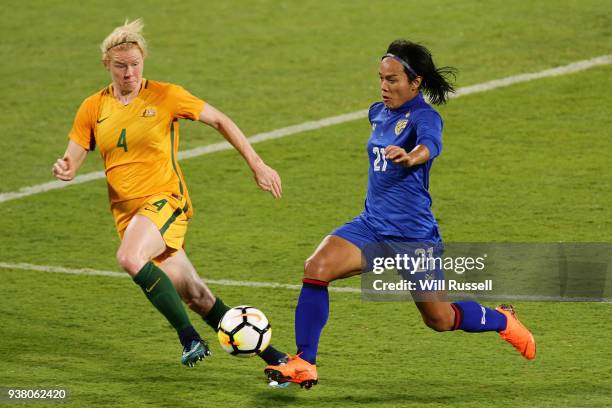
517, 334
296, 370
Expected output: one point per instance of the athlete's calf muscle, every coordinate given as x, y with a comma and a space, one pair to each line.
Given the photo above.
188, 283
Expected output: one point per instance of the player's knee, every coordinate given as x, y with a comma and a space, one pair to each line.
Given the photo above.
438, 321
318, 268
130, 263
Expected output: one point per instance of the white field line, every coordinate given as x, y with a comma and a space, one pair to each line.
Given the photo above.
318, 124
558, 71
93, 272
253, 284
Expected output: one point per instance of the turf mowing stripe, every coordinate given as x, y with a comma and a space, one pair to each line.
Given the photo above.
254, 284
318, 124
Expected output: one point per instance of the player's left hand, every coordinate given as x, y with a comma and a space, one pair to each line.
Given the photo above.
398, 156
268, 179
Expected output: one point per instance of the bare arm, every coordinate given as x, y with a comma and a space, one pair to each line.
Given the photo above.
266, 177
66, 167
419, 155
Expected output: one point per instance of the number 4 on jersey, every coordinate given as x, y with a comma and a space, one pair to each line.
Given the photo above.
160, 204
122, 142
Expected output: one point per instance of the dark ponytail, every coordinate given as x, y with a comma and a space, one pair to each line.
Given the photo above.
436, 82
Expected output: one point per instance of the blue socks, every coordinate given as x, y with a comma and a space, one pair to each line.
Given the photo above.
473, 317
312, 312
311, 315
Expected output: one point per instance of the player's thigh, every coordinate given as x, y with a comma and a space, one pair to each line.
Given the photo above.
167, 212
334, 258
141, 241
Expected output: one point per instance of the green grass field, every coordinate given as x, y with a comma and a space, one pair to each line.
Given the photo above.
527, 163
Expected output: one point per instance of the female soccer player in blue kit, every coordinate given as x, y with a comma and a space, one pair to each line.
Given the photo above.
406, 137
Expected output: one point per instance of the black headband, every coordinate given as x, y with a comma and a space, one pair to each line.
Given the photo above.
122, 42
401, 61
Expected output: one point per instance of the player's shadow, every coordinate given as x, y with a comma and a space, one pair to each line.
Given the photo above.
296, 395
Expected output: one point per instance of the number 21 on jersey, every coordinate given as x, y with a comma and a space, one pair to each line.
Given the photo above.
380, 156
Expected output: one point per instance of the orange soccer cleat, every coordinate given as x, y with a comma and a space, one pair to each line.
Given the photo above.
296, 370
517, 334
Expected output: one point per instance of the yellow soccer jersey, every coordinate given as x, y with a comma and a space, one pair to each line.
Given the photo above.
139, 141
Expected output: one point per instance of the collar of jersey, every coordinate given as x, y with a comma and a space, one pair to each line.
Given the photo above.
142, 85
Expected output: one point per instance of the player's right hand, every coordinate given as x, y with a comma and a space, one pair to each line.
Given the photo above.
63, 169
268, 179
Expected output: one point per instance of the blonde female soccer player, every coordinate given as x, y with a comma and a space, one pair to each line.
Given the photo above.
134, 122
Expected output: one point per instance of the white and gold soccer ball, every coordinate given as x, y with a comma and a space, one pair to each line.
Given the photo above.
244, 331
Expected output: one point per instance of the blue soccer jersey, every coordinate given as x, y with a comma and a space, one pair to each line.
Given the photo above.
398, 201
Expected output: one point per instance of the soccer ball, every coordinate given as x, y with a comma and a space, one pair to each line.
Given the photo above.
244, 331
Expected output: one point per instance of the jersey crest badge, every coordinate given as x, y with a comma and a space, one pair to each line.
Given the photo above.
149, 112
400, 125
